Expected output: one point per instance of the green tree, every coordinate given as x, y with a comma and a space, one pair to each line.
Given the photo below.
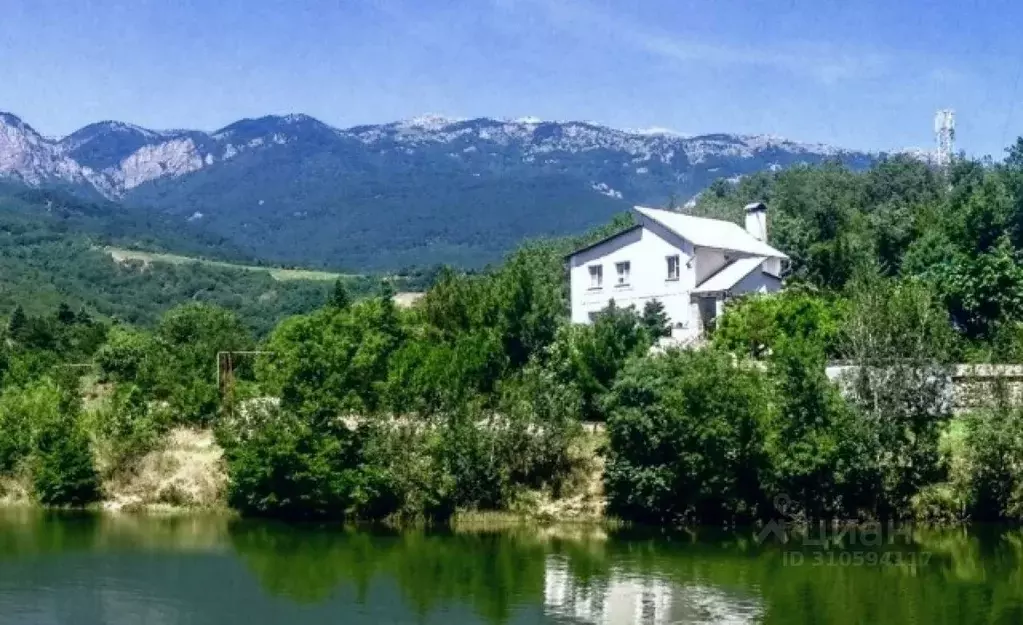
899, 339
131, 355
191, 337
21, 408
590, 357
655, 320
429, 374
529, 294
813, 447
985, 290
332, 362
339, 297
63, 470
754, 325
65, 315
17, 325
686, 439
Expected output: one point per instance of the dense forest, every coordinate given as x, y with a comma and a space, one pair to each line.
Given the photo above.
51, 253
475, 395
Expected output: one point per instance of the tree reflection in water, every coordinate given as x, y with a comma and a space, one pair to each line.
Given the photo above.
104, 569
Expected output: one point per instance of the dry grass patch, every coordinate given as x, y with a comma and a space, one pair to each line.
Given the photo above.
186, 471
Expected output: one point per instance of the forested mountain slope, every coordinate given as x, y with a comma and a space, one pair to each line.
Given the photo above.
51, 253
291, 189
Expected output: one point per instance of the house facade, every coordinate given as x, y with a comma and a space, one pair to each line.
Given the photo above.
692, 265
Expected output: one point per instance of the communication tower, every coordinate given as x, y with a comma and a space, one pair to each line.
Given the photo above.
945, 134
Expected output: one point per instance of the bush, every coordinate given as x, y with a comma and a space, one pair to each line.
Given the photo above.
899, 338
63, 470
20, 410
753, 325
280, 466
491, 456
129, 426
686, 434
471, 453
590, 357
994, 460
286, 465
190, 338
130, 356
542, 418
812, 444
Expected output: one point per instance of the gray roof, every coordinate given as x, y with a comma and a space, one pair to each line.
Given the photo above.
713, 233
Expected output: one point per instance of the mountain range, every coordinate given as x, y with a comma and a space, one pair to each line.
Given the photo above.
292, 189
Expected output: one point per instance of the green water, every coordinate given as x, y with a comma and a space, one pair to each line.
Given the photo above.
84, 570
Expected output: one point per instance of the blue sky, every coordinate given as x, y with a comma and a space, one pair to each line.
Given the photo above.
861, 74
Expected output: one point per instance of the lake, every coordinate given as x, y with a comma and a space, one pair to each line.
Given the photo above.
81, 569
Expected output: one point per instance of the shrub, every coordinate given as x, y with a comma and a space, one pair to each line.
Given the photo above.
754, 325
129, 356
471, 453
541, 423
994, 461
812, 442
129, 426
63, 470
490, 456
20, 409
898, 337
281, 466
686, 434
590, 357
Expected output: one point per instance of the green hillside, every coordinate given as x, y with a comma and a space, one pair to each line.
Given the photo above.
122, 255
53, 253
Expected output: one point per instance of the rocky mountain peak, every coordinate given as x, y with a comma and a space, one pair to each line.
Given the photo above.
115, 157
28, 157
11, 120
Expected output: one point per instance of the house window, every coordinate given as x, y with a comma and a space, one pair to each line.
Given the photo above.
673, 267
623, 269
596, 276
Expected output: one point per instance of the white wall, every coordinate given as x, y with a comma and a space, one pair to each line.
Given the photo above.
756, 224
773, 266
647, 249
709, 261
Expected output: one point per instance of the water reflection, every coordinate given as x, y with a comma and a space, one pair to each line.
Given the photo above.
624, 599
83, 569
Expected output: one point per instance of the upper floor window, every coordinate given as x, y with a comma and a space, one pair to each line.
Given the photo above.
596, 276
673, 267
623, 268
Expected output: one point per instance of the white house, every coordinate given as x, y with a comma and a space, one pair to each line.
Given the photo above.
690, 264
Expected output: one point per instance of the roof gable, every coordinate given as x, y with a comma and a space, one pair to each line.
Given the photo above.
730, 275
713, 233
602, 241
